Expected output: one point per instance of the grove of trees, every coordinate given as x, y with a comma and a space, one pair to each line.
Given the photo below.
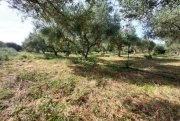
82, 26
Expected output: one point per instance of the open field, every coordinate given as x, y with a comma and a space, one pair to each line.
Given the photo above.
34, 87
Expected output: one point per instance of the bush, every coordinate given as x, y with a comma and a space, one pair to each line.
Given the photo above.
25, 56
5, 53
159, 50
2, 44
148, 57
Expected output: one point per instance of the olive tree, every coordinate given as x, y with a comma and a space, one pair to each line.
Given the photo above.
160, 18
130, 40
85, 21
34, 43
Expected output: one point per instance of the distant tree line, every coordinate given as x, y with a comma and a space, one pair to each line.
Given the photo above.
11, 45
51, 39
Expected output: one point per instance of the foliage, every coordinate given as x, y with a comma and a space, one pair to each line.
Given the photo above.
34, 43
10, 45
159, 50
2, 44
130, 36
166, 23
86, 22
55, 39
58, 89
101, 88
173, 48
91, 26
159, 17
5, 53
14, 46
115, 33
147, 45
131, 40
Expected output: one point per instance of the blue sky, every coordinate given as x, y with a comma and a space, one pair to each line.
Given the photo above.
12, 28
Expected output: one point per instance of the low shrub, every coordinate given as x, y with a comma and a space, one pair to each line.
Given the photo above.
6, 53
32, 75
159, 50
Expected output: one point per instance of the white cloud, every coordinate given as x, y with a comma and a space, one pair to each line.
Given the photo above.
12, 29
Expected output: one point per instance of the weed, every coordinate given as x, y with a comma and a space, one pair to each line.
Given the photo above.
3, 106
34, 92
50, 110
31, 75
6, 53
16, 111
65, 86
77, 60
32, 115
59, 90
5, 94
23, 57
124, 118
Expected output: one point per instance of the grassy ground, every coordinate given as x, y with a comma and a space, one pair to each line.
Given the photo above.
36, 87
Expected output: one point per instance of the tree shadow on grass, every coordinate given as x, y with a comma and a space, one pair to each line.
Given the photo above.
160, 74
142, 71
139, 61
148, 108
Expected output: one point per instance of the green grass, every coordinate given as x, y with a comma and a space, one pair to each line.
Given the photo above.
5, 94
34, 87
7, 53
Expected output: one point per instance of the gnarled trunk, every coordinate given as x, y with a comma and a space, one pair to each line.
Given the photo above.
127, 64
119, 50
119, 53
85, 53
55, 53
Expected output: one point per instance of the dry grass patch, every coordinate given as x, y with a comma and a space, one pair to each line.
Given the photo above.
58, 89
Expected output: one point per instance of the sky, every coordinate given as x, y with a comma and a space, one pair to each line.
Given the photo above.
12, 28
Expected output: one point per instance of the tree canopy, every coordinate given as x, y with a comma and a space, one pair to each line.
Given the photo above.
159, 17
85, 24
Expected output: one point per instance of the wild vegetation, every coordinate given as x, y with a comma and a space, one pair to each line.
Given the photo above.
36, 88
85, 61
